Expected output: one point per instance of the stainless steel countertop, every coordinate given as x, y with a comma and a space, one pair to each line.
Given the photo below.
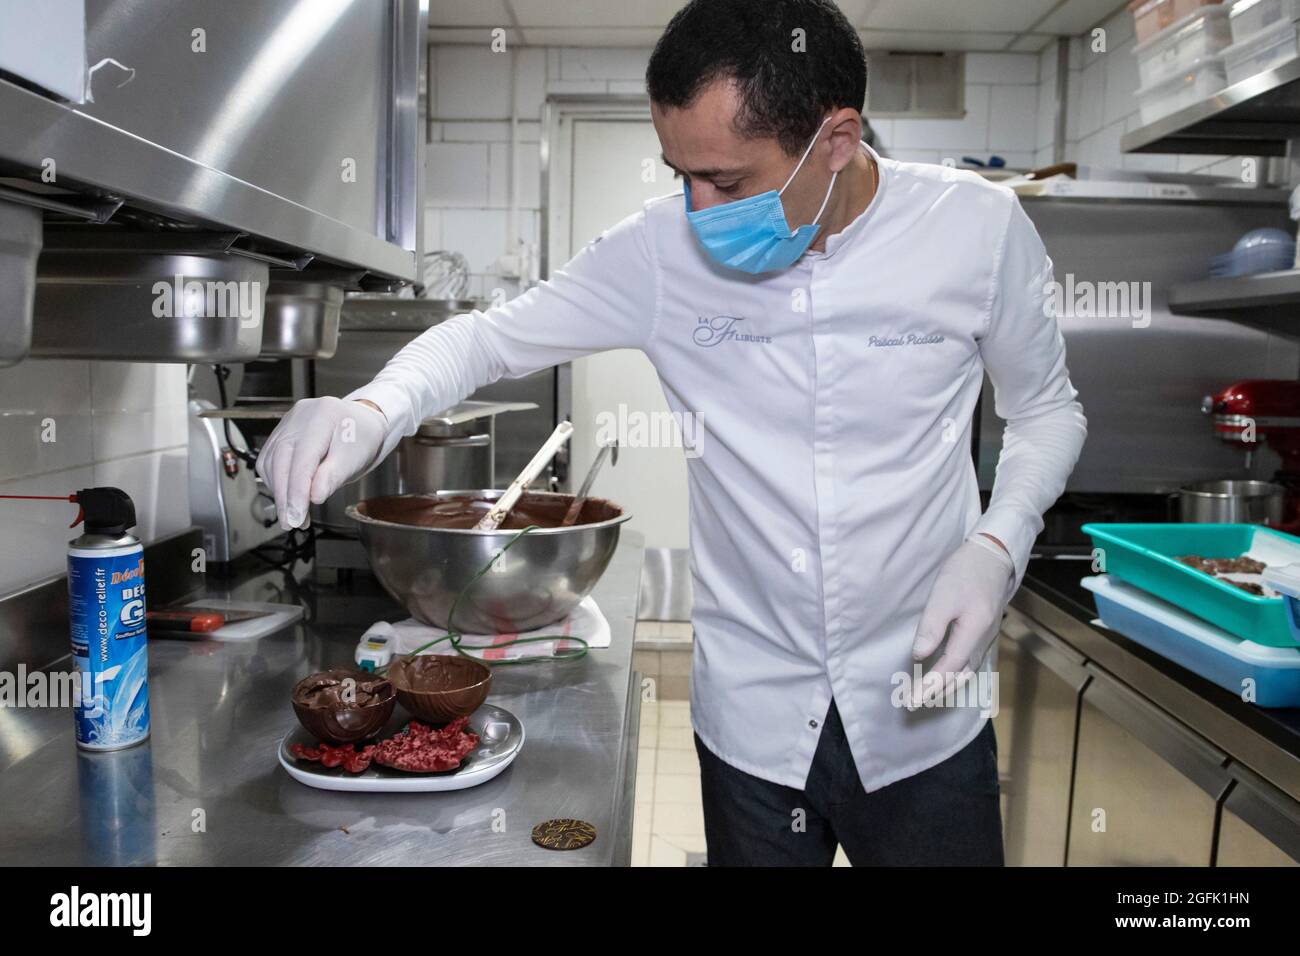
207, 788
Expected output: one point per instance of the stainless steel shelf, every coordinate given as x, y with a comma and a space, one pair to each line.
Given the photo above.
1270, 300
1255, 117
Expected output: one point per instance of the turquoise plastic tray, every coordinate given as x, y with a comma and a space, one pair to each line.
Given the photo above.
1143, 555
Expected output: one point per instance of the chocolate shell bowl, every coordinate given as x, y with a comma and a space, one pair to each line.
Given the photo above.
425, 550
440, 687
335, 712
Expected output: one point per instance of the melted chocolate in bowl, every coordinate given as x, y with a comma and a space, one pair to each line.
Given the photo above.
341, 706
463, 512
341, 690
440, 687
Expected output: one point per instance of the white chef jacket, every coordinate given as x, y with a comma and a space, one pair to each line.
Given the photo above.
835, 472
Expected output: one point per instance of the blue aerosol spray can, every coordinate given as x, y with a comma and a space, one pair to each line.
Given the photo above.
106, 610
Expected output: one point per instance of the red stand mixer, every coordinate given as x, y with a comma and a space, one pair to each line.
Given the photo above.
1268, 411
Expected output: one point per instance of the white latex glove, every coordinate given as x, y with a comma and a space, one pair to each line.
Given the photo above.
319, 446
969, 593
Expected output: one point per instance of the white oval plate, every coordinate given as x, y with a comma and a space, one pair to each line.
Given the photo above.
501, 737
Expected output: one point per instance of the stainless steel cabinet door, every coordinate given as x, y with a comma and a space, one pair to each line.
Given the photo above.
1240, 844
1038, 699
1260, 824
1145, 787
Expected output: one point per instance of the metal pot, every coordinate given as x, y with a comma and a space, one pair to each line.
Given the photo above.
301, 320
451, 450
1232, 501
147, 297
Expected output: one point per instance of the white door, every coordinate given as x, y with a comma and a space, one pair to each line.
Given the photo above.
614, 167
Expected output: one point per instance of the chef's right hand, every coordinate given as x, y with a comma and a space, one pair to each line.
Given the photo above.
322, 444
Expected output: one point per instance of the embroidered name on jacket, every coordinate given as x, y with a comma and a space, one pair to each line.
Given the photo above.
886, 341
723, 328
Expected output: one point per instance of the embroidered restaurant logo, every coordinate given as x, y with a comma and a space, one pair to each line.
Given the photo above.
911, 338
722, 328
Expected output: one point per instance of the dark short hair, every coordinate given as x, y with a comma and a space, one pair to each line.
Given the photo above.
785, 94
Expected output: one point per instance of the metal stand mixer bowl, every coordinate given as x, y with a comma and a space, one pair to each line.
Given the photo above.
537, 582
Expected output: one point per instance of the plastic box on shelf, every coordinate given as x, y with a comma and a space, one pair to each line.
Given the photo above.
1178, 48
1152, 16
1251, 16
1203, 80
1270, 47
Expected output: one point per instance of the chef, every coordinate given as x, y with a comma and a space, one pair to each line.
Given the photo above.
828, 315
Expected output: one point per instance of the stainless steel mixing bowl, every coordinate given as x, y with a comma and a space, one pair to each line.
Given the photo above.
537, 582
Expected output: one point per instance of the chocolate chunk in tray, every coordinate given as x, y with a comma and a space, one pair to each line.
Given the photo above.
1248, 586
1238, 565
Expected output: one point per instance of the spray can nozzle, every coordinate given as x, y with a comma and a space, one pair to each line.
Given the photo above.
105, 510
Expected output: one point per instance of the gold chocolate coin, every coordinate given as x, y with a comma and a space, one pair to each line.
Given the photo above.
564, 834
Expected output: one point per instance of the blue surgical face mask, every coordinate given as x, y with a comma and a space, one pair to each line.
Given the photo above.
752, 234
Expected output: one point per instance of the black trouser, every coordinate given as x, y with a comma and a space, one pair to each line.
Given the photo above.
947, 815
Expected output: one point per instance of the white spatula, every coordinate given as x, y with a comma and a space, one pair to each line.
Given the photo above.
492, 520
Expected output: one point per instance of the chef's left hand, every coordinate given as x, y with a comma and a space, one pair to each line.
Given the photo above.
970, 593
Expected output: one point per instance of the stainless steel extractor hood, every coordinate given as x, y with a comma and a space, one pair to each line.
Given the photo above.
292, 126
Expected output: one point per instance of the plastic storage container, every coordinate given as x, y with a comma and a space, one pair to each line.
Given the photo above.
1287, 580
1202, 648
1251, 16
1183, 44
1158, 100
1152, 16
1272, 46
1143, 555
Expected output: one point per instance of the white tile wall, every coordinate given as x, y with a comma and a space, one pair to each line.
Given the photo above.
1001, 68
468, 161
45, 418
470, 82
37, 532
1002, 101
135, 410
1012, 117
968, 133
457, 175
601, 64
1010, 100
1102, 106
66, 425
1045, 134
